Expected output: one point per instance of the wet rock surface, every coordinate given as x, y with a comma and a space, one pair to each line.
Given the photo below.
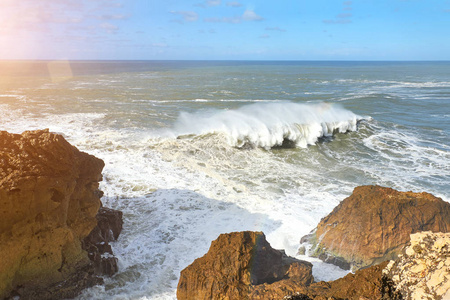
109, 226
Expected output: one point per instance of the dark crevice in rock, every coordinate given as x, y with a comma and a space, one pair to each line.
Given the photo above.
109, 226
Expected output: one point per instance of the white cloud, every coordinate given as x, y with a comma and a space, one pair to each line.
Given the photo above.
213, 2
110, 28
188, 16
341, 21
113, 17
209, 3
159, 45
276, 29
342, 18
232, 20
250, 15
234, 4
39, 16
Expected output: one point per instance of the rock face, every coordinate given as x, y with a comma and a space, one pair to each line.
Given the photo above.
366, 284
374, 224
49, 200
422, 271
242, 265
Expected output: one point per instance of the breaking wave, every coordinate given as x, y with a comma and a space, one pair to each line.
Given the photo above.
269, 125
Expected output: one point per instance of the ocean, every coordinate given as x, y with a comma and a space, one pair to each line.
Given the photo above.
194, 149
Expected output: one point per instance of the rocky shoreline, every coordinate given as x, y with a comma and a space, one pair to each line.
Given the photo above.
55, 234
398, 244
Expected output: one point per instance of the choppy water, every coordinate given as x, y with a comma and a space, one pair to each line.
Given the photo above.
195, 149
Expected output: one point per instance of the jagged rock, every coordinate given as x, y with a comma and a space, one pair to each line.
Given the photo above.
49, 200
422, 271
242, 265
364, 284
109, 226
374, 224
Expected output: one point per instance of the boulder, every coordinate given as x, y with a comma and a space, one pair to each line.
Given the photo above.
374, 224
242, 265
422, 271
49, 200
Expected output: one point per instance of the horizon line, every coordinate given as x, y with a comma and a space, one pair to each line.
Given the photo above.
220, 60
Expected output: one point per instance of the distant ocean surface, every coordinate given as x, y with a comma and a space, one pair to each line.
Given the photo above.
198, 148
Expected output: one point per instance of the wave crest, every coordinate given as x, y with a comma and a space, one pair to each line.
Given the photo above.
269, 125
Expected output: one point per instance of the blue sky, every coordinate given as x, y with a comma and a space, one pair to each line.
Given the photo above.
230, 30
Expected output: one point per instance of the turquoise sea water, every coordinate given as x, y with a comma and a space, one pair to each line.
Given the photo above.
194, 149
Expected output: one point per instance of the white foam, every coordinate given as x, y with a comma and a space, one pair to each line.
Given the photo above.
407, 161
268, 125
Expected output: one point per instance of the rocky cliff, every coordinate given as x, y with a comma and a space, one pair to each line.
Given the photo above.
49, 200
242, 265
374, 224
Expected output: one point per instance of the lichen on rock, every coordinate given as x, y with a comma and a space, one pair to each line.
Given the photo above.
422, 271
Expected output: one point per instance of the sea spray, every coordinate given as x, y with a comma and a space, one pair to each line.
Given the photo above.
269, 125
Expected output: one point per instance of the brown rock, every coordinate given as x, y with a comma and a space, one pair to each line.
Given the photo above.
227, 270
374, 224
49, 200
364, 284
242, 265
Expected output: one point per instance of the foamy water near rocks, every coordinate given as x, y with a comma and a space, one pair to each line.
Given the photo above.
242, 265
422, 271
